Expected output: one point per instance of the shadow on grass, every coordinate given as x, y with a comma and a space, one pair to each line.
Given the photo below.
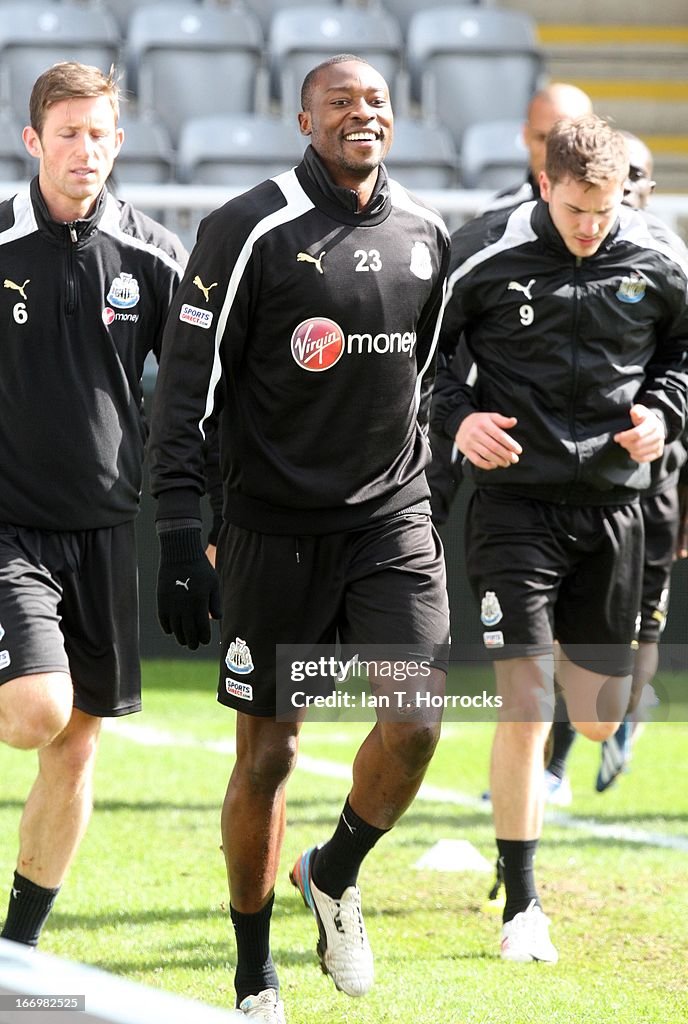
315, 809
223, 955
60, 921
220, 954
302, 810
146, 806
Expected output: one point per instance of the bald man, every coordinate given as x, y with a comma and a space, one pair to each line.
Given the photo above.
549, 105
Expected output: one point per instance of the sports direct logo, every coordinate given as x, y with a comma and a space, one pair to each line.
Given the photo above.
197, 317
317, 344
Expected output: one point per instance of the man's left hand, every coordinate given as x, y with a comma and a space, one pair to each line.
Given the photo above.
644, 442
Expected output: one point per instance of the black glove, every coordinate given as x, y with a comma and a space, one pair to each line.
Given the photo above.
188, 587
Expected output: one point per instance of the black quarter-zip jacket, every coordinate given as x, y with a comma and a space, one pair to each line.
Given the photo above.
313, 328
81, 306
565, 345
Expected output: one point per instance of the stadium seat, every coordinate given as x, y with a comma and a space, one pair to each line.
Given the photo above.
147, 156
193, 60
471, 64
122, 10
15, 162
423, 155
300, 37
403, 10
35, 35
237, 150
493, 154
266, 9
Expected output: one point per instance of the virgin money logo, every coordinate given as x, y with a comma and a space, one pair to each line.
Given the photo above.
317, 344
108, 316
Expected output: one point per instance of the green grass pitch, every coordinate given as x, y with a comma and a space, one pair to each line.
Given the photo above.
147, 899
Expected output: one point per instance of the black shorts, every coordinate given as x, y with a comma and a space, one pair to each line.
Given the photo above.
660, 516
382, 585
540, 571
69, 603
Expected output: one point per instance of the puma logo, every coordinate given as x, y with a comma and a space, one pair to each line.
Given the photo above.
183, 583
514, 286
304, 257
18, 287
206, 291
351, 829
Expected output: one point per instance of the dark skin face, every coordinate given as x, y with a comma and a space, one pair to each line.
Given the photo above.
639, 184
350, 123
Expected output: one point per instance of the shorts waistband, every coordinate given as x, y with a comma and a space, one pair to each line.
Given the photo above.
569, 494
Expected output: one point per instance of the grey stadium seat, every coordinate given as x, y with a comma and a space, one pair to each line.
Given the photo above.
423, 155
15, 162
300, 37
147, 156
403, 10
237, 149
472, 64
121, 10
35, 35
193, 60
266, 9
493, 154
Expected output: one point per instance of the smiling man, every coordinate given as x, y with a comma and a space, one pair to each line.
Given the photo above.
574, 313
308, 320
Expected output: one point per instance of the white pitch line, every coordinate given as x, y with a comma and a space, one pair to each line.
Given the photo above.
149, 736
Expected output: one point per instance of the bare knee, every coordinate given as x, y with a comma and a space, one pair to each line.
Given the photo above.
526, 688
526, 734
72, 754
268, 759
35, 709
596, 731
412, 744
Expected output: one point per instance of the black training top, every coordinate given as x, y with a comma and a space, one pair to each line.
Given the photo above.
313, 328
81, 305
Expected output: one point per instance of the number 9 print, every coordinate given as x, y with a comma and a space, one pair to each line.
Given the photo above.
527, 314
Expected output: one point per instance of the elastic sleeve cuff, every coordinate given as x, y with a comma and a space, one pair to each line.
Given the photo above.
167, 525
183, 545
179, 503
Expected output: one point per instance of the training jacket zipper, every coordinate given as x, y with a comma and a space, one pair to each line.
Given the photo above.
575, 362
70, 304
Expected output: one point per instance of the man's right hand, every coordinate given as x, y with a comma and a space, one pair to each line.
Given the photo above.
188, 588
483, 440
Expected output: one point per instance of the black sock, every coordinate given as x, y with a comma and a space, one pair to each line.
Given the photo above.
255, 970
516, 858
336, 864
563, 735
28, 910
